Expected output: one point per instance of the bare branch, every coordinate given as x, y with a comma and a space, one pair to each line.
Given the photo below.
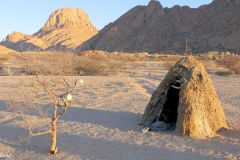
64, 80
39, 81
49, 131
65, 108
69, 87
76, 82
51, 93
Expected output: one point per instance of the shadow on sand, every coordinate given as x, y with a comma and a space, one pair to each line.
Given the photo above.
229, 133
88, 147
124, 121
91, 147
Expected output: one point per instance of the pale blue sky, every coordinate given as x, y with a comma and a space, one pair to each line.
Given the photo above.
28, 16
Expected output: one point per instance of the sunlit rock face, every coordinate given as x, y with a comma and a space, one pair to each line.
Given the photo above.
66, 28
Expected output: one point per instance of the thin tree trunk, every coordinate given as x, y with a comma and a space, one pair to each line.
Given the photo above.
53, 146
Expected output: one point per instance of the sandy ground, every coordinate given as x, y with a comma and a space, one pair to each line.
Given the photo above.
103, 122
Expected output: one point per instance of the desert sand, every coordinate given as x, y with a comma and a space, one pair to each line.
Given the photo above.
103, 122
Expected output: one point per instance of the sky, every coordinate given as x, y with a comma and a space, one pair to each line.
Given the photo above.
28, 16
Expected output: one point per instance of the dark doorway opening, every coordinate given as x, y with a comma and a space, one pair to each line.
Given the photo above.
170, 109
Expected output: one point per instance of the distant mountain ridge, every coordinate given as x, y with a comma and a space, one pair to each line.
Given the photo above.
66, 28
153, 28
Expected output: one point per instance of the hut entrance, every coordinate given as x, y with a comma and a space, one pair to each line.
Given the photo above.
168, 117
170, 109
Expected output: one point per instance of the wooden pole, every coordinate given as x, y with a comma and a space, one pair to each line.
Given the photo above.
186, 52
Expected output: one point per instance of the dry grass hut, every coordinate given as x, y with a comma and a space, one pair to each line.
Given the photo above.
185, 101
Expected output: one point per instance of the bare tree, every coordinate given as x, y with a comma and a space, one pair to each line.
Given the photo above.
59, 92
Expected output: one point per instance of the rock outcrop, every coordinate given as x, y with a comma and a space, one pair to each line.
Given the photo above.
65, 29
21, 42
185, 101
153, 28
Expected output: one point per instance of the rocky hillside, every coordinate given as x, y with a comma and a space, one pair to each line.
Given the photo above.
5, 50
66, 28
153, 28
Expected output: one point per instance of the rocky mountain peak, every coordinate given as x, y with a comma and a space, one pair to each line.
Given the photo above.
154, 7
65, 28
15, 36
154, 4
67, 18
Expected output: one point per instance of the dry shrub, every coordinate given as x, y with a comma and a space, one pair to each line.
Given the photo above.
236, 68
94, 66
169, 60
49, 63
232, 63
207, 63
86, 63
3, 59
125, 57
1, 64
118, 56
131, 57
96, 55
211, 55
224, 73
